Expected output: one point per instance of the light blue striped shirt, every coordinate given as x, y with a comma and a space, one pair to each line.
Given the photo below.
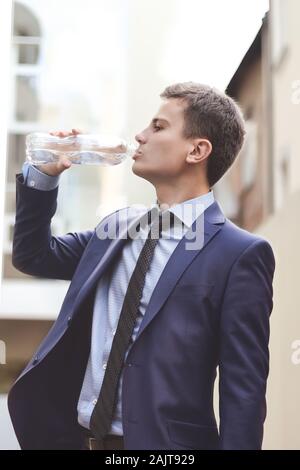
111, 291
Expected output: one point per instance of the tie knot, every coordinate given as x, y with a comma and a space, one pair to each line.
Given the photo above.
160, 221
155, 222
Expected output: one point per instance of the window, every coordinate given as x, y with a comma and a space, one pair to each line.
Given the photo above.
26, 103
26, 44
248, 157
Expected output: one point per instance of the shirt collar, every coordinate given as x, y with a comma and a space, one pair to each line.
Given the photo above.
188, 211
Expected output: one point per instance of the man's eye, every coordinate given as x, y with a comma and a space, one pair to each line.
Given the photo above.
157, 128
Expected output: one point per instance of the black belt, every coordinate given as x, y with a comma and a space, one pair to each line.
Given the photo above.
110, 442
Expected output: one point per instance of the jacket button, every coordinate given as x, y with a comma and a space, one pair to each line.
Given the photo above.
69, 320
35, 360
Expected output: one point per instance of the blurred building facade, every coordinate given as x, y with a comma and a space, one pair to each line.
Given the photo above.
94, 90
267, 86
49, 93
264, 185
250, 176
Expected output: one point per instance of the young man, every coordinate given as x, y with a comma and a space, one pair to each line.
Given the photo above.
131, 360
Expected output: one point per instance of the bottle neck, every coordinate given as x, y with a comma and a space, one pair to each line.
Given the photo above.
132, 148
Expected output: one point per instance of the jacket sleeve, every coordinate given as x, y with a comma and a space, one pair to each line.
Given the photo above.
35, 250
244, 352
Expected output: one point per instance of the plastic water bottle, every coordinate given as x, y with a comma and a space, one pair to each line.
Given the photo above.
82, 149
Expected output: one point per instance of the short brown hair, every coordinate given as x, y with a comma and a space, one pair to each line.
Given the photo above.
215, 116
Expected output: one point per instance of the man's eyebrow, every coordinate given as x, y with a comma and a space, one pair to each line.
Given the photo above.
155, 120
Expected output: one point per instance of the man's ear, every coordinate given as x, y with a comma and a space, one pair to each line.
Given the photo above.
201, 149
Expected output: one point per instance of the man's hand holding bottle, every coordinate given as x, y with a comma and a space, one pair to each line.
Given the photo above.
63, 163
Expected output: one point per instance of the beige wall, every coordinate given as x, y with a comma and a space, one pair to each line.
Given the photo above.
283, 404
22, 338
286, 70
282, 424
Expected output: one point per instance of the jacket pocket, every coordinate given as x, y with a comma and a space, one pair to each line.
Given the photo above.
192, 435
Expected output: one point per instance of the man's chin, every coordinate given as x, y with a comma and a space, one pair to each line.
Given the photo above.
138, 170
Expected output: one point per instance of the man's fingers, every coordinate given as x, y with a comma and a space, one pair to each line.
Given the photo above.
66, 163
65, 133
63, 163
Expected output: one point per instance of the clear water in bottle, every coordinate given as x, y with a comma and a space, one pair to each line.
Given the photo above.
82, 149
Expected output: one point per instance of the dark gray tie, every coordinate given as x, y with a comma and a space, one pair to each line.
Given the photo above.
103, 412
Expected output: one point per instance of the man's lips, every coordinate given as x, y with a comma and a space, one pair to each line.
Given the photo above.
137, 154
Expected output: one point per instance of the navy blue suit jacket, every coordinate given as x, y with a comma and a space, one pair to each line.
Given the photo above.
210, 308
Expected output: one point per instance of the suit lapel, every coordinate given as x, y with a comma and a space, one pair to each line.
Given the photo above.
175, 267
181, 258
95, 271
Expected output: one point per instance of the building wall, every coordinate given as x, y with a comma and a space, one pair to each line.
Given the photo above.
252, 174
22, 338
247, 180
286, 103
281, 430
50, 92
282, 423
276, 103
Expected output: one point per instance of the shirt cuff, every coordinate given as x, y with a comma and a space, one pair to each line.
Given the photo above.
36, 179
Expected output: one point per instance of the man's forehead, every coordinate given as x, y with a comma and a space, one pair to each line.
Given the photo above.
169, 111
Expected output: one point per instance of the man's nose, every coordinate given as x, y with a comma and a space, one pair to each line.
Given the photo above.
140, 138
